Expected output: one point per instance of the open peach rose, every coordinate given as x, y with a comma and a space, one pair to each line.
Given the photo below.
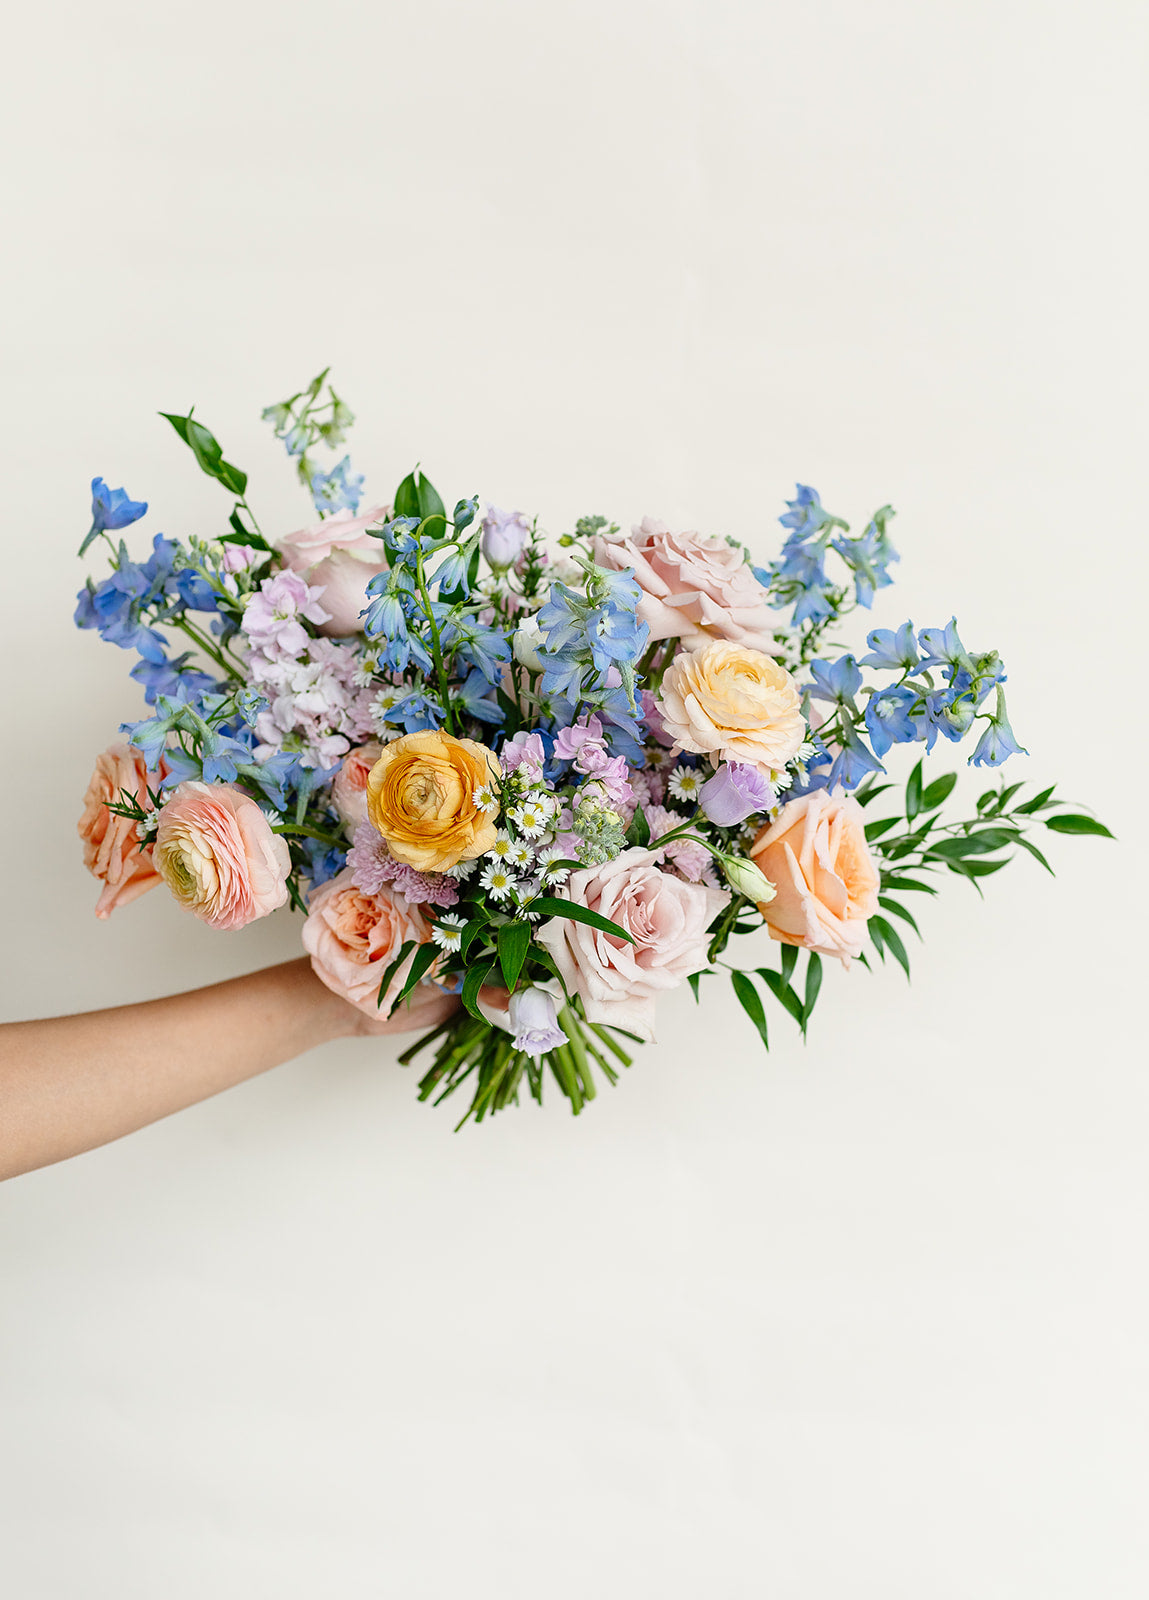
353, 937
733, 703
112, 850
694, 587
217, 854
342, 556
421, 798
825, 878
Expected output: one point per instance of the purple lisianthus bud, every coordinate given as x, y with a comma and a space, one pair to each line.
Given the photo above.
534, 1022
736, 791
504, 535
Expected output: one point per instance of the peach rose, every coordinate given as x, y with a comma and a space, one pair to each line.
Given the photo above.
352, 938
694, 588
733, 703
668, 919
421, 798
342, 556
825, 878
217, 854
112, 849
349, 791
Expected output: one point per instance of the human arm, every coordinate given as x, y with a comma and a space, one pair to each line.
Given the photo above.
68, 1084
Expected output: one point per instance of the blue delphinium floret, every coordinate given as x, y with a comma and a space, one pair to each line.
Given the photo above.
892, 649
112, 509
836, 681
997, 743
888, 718
337, 490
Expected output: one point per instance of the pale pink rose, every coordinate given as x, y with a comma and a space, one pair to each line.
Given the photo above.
349, 791
112, 850
352, 938
694, 588
668, 920
339, 554
825, 878
217, 854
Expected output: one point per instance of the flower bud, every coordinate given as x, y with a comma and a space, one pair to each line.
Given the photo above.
527, 642
745, 878
504, 535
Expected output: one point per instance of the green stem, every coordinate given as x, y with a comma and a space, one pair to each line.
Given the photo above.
205, 644
436, 643
297, 829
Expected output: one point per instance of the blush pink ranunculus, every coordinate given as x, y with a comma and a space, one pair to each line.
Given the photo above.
694, 588
667, 918
341, 555
111, 843
825, 878
349, 791
352, 938
217, 854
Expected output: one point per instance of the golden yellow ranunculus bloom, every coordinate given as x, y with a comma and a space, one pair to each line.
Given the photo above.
421, 798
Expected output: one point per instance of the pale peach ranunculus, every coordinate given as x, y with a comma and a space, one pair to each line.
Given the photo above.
421, 798
112, 850
217, 854
349, 791
824, 876
694, 587
352, 938
733, 703
668, 919
339, 554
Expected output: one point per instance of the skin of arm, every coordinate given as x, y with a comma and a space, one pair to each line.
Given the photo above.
68, 1084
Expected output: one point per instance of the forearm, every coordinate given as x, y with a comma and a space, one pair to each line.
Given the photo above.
68, 1084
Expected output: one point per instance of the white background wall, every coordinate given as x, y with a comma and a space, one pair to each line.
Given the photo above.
864, 1319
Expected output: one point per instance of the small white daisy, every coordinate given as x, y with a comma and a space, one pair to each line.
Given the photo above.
486, 799
151, 822
386, 700
461, 869
521, 856
366, 670
503, 847
806, 751
529, 818
447, 932
684, 783
546, 860
498, 880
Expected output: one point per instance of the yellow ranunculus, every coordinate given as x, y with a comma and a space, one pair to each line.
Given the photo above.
421, 798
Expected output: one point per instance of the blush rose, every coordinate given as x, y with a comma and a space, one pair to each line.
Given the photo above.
694, 588
667, 919
353, 937
339, 554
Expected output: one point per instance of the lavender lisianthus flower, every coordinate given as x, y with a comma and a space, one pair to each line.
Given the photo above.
736, 791
534, 1022
504, 535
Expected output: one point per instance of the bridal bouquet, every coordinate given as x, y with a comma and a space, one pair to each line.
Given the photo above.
553, 779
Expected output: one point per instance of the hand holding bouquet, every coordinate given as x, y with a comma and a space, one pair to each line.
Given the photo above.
553, 780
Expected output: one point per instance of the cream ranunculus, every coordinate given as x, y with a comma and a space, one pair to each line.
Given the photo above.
217, 854
825, 878
733, 703
421, 798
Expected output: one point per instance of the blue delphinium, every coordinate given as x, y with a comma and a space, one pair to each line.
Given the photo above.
112, 509
889, 720
337, 490
997, 743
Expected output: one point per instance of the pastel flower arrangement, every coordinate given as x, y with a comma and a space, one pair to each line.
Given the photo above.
554, 779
